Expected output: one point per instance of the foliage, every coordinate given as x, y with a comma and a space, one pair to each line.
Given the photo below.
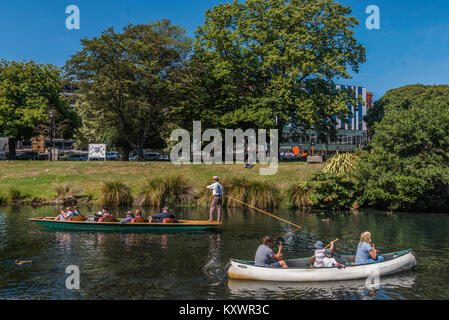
257, 193
407, 167
115, 193
15, 194
65, 190
341, 163
168, 190
27, 93
330, 191
262, 63
297, 195
128, 81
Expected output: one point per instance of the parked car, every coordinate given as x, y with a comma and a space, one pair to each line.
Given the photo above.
288, 156
147, 156
113, 155
28, 155
74, 157
164, 158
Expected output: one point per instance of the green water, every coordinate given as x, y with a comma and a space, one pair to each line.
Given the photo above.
191, 265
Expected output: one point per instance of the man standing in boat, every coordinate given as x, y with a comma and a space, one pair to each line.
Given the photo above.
217, 201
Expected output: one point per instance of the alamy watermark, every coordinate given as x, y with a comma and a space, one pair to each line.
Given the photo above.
249, 147
73, 280
373, 21
73, 20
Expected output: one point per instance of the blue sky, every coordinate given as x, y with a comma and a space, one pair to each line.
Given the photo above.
411, 46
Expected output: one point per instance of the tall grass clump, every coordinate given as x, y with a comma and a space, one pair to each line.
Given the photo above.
15, 195
115, 193
260, 194
65, 190
168, 190
297, 195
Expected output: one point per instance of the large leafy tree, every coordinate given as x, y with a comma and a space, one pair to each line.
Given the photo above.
264, 63
127, 82
28, 91
407, 167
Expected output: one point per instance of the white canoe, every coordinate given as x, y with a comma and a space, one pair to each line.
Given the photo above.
301, 270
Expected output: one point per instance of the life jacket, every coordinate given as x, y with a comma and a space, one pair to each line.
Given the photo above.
138, 220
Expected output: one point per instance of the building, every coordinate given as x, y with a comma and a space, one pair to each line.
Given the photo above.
351, 136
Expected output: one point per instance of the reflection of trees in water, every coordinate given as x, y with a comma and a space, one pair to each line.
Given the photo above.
214, 268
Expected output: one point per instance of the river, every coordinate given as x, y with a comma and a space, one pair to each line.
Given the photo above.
191, 265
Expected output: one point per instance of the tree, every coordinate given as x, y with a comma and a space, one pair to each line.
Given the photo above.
407, 167
27, 93
127, 81
264, 63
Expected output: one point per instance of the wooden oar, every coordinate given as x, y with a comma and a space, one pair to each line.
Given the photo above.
271, 215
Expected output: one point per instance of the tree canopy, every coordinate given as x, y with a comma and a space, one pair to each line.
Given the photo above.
407, 167
264, 63
27, 93
128, 80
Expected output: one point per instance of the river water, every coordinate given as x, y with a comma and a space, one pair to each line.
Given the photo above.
191, 265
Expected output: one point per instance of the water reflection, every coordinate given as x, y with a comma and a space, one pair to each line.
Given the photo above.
322, 290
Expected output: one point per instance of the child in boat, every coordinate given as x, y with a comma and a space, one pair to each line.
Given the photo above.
138, 218
319, 253
329, 261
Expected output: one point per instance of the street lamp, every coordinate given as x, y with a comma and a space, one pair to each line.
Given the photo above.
52, 124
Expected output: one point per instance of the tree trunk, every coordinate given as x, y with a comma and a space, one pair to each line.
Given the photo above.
12, 148
126, 151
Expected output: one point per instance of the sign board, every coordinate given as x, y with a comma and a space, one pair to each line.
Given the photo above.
314, 159
38, 144
97, 151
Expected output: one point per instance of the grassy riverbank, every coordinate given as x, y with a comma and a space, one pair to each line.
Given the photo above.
38, 179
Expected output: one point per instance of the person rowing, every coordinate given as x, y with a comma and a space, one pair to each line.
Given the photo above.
366, 250
265, 255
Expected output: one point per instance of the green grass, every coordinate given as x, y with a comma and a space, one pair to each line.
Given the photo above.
38, 178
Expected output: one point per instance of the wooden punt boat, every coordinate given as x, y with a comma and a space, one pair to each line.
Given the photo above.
181, 225
302, 270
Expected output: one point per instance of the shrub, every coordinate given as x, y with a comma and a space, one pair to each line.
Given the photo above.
330, 191
169, 190
297, 195
341, 163
115, 193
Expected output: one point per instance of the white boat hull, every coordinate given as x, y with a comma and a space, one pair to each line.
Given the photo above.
247, 271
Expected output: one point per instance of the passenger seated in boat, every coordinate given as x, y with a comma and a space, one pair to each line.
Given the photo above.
319, 253
366, 250
329, 261
129, 217
265, 254
99, 214
76, 216
158, 218
62, 216
138, 218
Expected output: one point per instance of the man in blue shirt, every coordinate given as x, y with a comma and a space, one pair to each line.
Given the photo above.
129, 217
161, 216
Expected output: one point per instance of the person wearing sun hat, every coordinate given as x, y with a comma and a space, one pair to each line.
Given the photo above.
217, 201
129, 217
161, 216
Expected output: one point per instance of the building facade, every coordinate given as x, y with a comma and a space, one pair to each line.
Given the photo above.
351, 135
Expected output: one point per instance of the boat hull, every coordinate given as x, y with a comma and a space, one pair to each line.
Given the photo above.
183, 225
404, 260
